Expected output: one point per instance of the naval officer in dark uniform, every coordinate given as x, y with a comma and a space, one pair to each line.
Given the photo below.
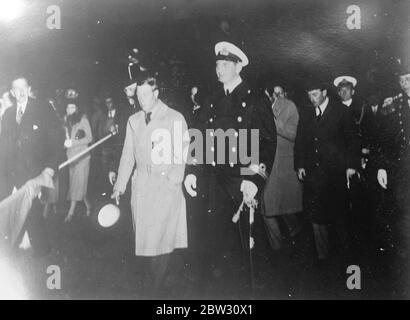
223, 185
394, 158
394, 175
345, 86
346, 89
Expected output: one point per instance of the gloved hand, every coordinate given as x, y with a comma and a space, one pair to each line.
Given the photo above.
116, 195
382, 178
46, 178
68, 143
190, 185
112, 176
249, 190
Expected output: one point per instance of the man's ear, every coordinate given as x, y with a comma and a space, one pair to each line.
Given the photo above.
353, 92
156, 93
324, 92
238, 67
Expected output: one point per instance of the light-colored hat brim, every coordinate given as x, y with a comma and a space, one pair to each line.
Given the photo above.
350, 79
224, 45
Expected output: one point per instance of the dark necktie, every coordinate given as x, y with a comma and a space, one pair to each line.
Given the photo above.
147, 117
319, 115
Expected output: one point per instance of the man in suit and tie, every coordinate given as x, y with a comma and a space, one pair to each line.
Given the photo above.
114, 117
326, 158
33, 140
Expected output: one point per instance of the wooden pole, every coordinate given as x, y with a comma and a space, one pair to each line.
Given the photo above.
79, 155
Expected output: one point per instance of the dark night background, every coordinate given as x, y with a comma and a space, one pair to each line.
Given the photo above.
286, 41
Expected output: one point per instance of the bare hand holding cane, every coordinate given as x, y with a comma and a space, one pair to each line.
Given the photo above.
116, 195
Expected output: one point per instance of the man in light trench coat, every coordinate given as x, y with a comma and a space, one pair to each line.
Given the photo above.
157, 202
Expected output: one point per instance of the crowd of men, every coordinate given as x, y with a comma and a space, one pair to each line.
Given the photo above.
343, 162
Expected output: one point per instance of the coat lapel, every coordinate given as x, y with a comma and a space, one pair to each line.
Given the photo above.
28, 116
327, 115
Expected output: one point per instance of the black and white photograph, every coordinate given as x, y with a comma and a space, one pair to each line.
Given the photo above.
204, 150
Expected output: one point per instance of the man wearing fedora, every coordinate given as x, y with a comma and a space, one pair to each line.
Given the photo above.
326, 158
157, 200
221, 186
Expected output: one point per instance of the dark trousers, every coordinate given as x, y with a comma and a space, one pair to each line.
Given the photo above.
273, 229
325, 200
215, 241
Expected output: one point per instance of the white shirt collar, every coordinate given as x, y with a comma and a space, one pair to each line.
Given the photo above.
155, 109
347, 102
22, 106
111, 113
231, 87
323, 106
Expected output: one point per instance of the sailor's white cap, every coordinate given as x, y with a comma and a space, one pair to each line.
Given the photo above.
228, 51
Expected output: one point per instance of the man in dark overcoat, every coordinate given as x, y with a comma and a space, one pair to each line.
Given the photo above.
33, 142
327, 156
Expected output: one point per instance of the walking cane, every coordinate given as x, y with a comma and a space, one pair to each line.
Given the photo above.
251, 241
107, 213
85, 151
